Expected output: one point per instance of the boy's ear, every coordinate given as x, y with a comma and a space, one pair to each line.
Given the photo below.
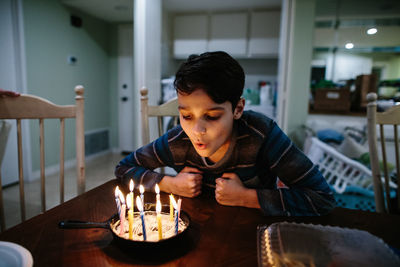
237, 113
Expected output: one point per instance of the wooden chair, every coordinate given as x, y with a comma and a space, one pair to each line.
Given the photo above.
32, 107
390, 117
168, 109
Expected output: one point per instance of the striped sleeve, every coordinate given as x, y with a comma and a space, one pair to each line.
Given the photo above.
308, 193
139, 165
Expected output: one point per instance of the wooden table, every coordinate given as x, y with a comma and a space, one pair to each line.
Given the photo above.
219, 235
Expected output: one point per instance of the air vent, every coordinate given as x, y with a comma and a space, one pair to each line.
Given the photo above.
96, 141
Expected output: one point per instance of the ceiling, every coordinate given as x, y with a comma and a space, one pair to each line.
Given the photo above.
122, 10
357, 8
354, 17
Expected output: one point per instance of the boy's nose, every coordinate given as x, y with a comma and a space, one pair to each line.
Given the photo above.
199, 128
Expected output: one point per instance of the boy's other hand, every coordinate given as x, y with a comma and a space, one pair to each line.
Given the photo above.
229, 189
187, 183
4, 93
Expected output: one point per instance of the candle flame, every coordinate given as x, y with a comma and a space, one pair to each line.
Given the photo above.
116, 192
158, 207
157, 189
139, 204
131, 185
121, 197
141, 189
129, 201
171, 197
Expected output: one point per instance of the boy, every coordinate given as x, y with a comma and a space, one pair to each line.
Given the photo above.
218, 144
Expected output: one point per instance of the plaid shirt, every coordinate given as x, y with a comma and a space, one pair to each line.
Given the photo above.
259, 153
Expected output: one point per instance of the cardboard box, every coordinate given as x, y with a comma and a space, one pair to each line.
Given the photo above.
332, 100
364, 84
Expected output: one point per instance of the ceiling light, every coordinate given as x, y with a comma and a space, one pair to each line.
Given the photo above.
349, 45
372, 31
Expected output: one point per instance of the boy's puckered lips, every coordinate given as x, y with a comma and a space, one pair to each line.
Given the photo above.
200, 146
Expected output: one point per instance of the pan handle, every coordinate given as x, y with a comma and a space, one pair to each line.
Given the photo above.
72, 224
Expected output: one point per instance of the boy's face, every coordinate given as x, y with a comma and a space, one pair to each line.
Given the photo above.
208, 124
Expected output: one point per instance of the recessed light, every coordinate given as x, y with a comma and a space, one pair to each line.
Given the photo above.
349, 45
372, 31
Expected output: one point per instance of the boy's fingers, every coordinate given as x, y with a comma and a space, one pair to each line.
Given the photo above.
196, 177
230, 175
191, 169
196, 184
219, 181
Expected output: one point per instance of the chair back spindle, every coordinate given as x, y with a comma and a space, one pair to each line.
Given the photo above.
33, 107
168, 109
391, 117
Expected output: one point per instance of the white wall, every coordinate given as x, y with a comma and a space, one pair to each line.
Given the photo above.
8, 74
347, 66
11, 78
295, 61
147, 56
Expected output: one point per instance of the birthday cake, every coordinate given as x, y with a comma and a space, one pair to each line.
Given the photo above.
152, 235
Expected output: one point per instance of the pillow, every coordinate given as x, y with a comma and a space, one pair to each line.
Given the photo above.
330, 135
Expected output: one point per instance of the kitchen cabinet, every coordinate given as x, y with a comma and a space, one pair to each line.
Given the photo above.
228, 32
264, 34
190, 35
245, 34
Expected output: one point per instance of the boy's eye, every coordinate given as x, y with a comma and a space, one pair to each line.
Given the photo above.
186, 117
212, 118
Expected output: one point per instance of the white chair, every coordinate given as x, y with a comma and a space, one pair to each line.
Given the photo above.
168, 109
390, 118
32, 107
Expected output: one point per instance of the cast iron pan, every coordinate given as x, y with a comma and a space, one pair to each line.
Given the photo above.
178, 240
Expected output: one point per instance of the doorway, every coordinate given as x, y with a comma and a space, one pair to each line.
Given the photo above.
125, 88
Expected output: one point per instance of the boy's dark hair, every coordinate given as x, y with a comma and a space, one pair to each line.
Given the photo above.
217, 73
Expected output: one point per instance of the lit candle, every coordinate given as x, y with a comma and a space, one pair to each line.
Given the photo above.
159, 225
122, 214
157, 190
131, 186
130, 214
171, 208
172, 200
140, 208
176, 222
179, 207
117, 200
141, 189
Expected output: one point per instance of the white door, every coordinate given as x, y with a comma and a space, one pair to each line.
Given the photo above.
125, 88
11, 78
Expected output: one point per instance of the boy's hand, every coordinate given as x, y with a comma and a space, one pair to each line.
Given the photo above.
229, 190
4, 93
187, 183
